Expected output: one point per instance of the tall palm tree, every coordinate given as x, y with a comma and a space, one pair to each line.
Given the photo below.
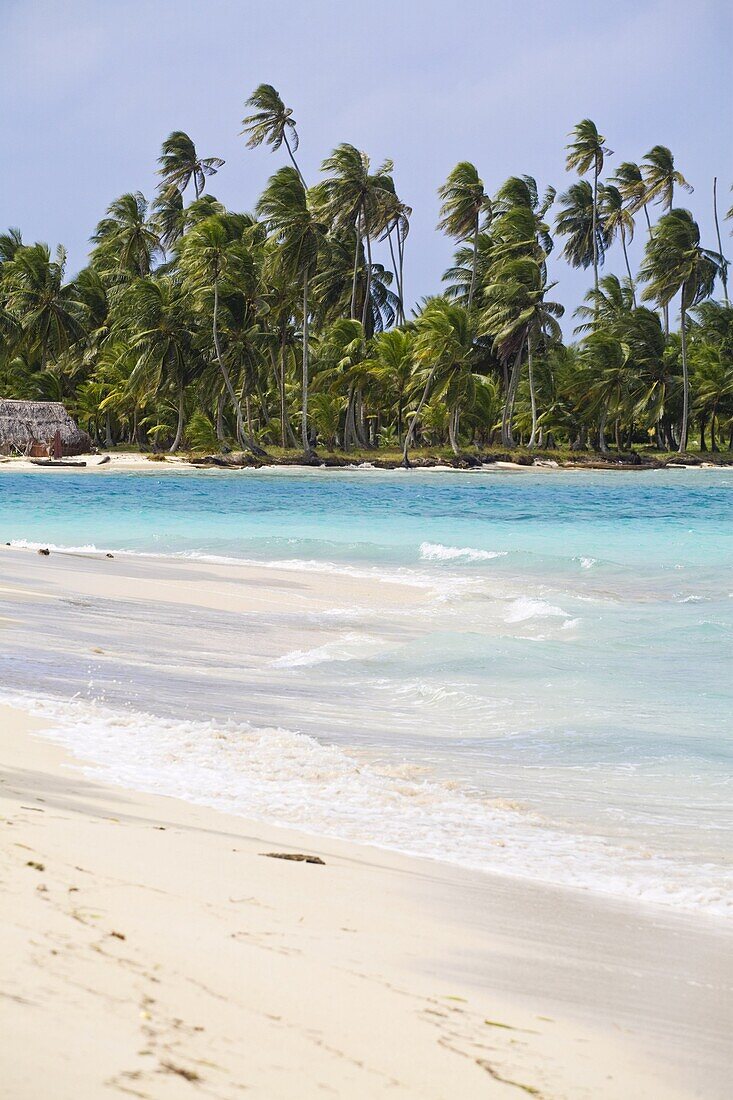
271, 122
391, 365
354, 197
618, 219
180, 164
630, 182
518, 317
674, 261
287, 207
464, 203
444, 342
49, 311
588, 150
661, 177
126, 241
211, 252
156, 314
587, 236
724, 268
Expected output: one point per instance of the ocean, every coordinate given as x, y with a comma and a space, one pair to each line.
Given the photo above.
557, 707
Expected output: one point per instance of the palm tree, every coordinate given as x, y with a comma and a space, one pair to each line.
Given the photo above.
464, 203
391, 365
587, 236
606, 359
630, 182
616, 217
126, 241
444, 341
661, 177
586, 151
156, 314
271, 122
49, 311
675, 262
286, 206
210, 252
518, 317
180, 164
724, 268
353, 197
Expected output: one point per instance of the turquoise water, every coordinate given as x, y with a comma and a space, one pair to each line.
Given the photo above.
560, 707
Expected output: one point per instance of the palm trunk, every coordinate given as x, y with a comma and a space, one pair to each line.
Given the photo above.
222, 366
108, 440
350, 439
595, 224
295, 163
685, 377
398, 280
602, 446
356, 265
724, 268
507, 436
474, 265
453, 431
179, 431
368, 290
413, 423
628, 266
401, 257
304, 422
532, 395
220, 433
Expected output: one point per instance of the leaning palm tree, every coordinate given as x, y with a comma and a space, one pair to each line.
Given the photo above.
211, 252
675, 262
588, 150
156, 315
126, 240
48, 310
518, 318
464, 203
444, 339
271, 122
618, 219
629, 180
661, 177
577, 220
352, 197
286, 206
180, 164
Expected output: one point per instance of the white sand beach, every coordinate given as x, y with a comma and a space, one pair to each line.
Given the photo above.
154, 950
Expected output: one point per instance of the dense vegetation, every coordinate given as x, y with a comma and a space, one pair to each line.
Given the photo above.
194, 326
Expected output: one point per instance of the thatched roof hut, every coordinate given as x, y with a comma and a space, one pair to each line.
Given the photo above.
30, 427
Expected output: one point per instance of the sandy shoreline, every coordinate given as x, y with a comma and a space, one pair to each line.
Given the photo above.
375, 974
149, 943
137, 462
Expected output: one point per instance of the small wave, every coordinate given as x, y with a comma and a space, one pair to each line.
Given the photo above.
528, 607
586, 563
435, 551
290, 779
28, 544
349, 647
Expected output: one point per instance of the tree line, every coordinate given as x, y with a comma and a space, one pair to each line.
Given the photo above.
200, 327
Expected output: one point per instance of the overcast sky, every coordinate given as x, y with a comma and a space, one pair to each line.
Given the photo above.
89, 89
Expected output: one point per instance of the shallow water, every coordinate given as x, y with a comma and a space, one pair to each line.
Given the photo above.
559, 708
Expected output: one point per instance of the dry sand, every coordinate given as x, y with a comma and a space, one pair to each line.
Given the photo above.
149, 948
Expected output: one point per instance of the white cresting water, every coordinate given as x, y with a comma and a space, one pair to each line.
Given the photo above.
556, 706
